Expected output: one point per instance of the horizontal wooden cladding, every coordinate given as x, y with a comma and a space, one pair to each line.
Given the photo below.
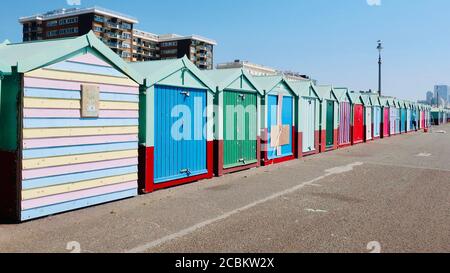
50, 93
86, 69
76, 159
76, 104
89, 59
75, 150
42, 182
71, 196
74, 85
76, 204
78, 168
29, 123
68, 113
79, 77
52, 190
72, 141
72, 132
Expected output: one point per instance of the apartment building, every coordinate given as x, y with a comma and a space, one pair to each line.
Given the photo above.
113, 28
117, 31
149, 46
261, 70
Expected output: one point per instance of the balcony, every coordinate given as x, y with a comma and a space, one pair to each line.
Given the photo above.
113, 45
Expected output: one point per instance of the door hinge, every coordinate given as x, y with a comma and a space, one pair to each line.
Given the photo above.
186, 93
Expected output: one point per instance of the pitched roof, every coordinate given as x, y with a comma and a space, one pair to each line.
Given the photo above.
267, 83
326, 92
224, 77
155, 71
342, 92
34, 55
303, 88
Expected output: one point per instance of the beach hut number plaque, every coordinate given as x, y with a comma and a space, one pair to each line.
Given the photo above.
90, 101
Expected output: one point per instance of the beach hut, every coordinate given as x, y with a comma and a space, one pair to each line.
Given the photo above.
344, 117
329, 112
69, 119
403, 121
237, 135
278, 119
385, 118
308, 118
414, 117
368, 116
377, 116
358, 129
176, 119
408, 116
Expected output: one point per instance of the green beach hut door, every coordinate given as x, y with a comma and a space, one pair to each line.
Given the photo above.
239, 129
330, 124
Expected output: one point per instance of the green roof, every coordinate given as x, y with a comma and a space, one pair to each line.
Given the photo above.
225, 77
34, 55
156, 71
342, 92
304, 87
366, 99
267, 83
356, 97
375, 99
326, 92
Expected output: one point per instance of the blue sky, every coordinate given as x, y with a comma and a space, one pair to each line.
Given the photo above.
334, 41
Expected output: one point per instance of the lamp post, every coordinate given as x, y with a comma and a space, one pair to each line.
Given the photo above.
380, 48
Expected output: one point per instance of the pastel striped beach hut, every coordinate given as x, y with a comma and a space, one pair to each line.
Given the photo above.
69, 127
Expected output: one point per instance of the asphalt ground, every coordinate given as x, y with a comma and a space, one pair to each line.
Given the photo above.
389, 195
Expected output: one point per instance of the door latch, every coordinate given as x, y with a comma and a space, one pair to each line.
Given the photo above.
242, 160
186, 93
185, 171
242, 96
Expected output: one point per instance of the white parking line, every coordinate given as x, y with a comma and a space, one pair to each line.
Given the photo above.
189, 230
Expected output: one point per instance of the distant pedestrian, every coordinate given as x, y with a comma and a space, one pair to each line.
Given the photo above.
415, 125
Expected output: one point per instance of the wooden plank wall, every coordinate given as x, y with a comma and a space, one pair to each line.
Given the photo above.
70, 162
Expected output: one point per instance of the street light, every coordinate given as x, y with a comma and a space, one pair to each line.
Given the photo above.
380, 48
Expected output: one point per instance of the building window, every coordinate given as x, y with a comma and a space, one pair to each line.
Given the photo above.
67, 31
67, 21
126, 45
126, 35
52, 23
167, 44
52, 33
126, 25
126, 54
169, 51
99, 19
98, 29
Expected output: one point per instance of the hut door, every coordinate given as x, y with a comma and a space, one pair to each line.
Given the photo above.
386, 121
280, 117
239, 129
330, 124
309, 111
376, 121
358, 123
180, 145
368, 123
344, 124
403, 120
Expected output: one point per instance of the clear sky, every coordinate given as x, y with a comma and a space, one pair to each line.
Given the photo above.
334, 41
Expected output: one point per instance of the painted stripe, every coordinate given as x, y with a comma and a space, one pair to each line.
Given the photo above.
52, 190
76, 159
68, 113
78, 168
89, 59
30, 123
76, 104
70, 132
73, 141
71, 76
76, 86
86, 68
76, 95
71, 196
78, 150
78, 177
86, 202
